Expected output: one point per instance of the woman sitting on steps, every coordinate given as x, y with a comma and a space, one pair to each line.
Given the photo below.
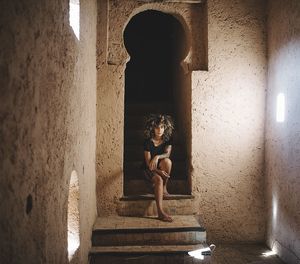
157, 163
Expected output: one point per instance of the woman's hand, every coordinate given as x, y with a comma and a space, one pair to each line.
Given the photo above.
163, 174
153, 163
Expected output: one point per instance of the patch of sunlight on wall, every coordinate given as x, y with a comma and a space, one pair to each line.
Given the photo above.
274, 211
280, 108
73, 216
74, 17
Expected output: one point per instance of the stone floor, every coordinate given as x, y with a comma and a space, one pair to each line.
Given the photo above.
243, 254
223, 254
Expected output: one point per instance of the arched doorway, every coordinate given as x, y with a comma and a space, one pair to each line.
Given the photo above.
154, 81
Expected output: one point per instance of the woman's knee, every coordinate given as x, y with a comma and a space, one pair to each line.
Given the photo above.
156, 179
166, 162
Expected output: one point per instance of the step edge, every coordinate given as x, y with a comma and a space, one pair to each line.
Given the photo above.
148, 230
152, 197
149, 249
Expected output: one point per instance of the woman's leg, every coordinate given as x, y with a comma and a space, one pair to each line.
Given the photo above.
165, 165
158, 192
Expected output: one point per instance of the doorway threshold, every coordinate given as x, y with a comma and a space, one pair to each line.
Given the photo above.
151, 197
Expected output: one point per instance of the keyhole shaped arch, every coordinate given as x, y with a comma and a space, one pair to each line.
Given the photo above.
166, 11
157, 45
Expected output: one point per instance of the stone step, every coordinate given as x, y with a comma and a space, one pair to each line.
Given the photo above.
150, 249
140, 187
149, 196
133, 170
137, 231
144, 205
136, 122
174, 254
149, 108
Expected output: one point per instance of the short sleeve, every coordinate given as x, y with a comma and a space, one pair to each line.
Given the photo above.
169, 142
147, 145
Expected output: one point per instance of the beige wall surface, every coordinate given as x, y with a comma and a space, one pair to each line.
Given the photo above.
48, 124
228, 104
283, 138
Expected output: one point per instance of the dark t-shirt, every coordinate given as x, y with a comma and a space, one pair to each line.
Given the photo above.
155, 150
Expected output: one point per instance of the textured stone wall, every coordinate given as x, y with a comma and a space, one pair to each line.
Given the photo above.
48, 124
283, 139
110, 107
228, 105
227, 115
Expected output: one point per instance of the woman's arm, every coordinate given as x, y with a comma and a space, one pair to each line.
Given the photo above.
153, 163
167, 153
147, 157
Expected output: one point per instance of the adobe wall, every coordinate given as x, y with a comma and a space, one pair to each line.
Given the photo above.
48, 124
227, 112
283, 139
228, 105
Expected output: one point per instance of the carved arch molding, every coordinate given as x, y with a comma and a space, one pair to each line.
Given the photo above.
192, 14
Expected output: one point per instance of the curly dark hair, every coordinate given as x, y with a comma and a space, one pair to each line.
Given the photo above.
154, 120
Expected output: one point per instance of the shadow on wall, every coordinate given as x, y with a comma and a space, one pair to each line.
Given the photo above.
104, 183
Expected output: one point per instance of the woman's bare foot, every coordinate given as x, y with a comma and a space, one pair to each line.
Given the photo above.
166, 193
165, 218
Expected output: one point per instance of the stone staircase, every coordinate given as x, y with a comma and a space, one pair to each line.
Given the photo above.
118, 239
135, 235
134, 184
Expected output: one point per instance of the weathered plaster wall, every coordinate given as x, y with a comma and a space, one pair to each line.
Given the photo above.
48, 124
228, 123
283, 139
110, 107
227, 115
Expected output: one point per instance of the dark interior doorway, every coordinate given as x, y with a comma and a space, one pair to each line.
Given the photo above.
156, 43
